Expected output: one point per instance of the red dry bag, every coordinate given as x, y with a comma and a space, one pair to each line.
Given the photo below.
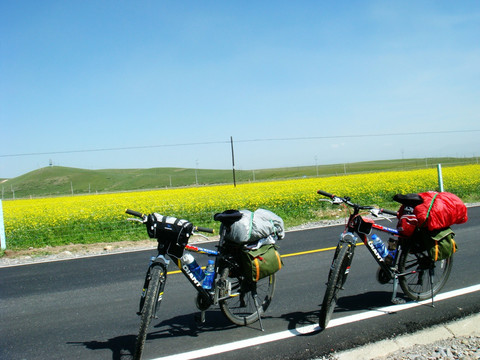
440, 210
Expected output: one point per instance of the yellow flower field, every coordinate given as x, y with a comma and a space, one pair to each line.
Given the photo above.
92, 218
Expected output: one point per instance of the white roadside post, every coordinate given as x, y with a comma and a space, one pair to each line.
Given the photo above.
2, 228
440, 178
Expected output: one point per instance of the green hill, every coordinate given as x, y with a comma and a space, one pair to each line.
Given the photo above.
58, 181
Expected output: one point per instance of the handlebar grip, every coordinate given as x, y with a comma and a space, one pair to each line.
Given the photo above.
203, 229
324, 193
134, 213
389, 212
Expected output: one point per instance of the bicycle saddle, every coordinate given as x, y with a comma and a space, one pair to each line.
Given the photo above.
228, 217
408, 199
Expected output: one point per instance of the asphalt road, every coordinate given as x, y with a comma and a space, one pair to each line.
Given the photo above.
85, 308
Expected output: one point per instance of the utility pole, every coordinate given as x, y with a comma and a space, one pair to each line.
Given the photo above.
233, 162
196, 176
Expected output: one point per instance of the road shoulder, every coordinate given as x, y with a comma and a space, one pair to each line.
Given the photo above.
398, 347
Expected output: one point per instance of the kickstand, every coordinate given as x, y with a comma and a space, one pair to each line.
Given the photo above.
395, 300
255, 300
200, 318
430, 272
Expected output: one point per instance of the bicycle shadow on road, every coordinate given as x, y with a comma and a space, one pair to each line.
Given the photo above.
188, 325
122, 347
300, 319
367, 301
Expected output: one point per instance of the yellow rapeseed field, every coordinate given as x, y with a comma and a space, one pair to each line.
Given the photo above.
92, 218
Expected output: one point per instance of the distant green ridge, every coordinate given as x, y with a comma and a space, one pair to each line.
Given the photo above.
60, 181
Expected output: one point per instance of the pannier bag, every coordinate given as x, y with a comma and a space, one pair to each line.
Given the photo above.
260, 263
254, 226
438, 210
440, 244
170, 232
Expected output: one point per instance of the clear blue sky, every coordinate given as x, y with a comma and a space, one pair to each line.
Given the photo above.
315, 78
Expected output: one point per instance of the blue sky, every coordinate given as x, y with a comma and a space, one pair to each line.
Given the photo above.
167, 83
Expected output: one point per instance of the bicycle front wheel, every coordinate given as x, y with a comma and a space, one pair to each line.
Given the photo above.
153, 296
337, 277
422, 277
248, 300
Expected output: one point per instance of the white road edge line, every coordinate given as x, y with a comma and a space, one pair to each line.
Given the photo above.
241, 344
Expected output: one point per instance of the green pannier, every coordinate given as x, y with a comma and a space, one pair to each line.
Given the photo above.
260, 263
440, 244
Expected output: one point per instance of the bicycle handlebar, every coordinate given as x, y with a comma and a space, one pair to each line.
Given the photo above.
144, 217
347, 201
389, 212
204, 229
324, 193
134, 213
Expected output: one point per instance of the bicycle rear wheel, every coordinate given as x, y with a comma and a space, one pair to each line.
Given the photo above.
424, 277
248, 300
153, 297
337, 277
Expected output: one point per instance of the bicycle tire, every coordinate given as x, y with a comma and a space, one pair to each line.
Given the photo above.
417, 284
240, 307
336, 279
147, 313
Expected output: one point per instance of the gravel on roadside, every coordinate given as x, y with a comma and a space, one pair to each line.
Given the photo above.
465, 348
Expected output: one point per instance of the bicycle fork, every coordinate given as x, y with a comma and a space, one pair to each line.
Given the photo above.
163, 264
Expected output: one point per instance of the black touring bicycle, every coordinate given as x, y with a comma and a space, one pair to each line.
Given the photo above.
409, 263
241, 298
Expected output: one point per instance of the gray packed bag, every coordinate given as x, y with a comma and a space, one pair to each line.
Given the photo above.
253, 226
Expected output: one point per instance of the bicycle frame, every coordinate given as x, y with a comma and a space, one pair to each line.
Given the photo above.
206, 295
161, 261
356, 226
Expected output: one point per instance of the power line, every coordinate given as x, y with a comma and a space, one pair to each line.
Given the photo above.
358, 136
240, 141
114, 149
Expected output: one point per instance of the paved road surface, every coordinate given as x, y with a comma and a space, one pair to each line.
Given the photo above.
85, 308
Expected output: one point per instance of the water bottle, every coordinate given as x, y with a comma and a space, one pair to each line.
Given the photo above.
379, 245
209, 275
392, 251
192, 264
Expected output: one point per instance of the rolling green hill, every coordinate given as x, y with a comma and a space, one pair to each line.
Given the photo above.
58, 181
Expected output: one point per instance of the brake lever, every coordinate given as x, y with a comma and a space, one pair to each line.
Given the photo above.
135, 219
376, 213
327, 200
337, 201
201, 235
334, 201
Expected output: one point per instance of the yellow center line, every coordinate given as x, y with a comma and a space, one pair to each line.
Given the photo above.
314, 251
309, 252
286, 255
